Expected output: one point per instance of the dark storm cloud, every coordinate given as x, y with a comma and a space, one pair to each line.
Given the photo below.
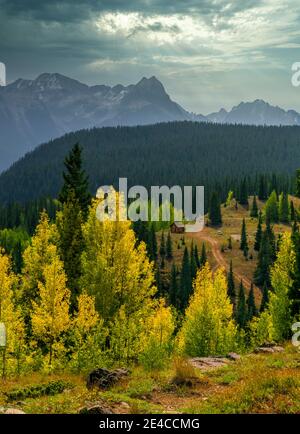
208, 53
77, 10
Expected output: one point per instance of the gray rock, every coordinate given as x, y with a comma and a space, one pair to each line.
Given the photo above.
95, 409
206, 363
104, 378
14, 411
233, 356
269, 349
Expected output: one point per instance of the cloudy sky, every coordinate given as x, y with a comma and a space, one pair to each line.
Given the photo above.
208, 53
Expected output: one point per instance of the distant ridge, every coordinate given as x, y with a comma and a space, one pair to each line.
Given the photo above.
35, 111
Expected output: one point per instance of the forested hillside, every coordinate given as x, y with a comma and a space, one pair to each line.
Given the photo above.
184, 153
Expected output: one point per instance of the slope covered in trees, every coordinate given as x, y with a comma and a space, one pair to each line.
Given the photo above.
220, 157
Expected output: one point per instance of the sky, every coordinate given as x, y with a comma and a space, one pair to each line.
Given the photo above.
208, 53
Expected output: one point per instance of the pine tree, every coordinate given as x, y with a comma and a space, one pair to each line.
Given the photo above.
258, 235
203, 258
272, 208
208, 327
162, 249
196, 254
215, 210
152, 243
230, 285
251, 306
158, 281
292, 211
265, 298
272, 239
185, 280
254, 209
243, 199
75, 180
262, 272
262, 189
244, 241
173, 295
50, 314
241, 311
193, 263
169, 247
71, 244
283, 208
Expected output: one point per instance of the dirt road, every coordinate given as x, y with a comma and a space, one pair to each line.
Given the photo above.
221, 262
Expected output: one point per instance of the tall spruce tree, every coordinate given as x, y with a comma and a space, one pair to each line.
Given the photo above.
265, 260
265, 298
162, 249
241, 310
254, 208
75, 180
169, 247
230, 285
193, 263
203, 258
71, 244
215, 217
75, 198
173, 294
258, 235
244, 241
243, 196
152, 243
262, 188
292, 211
251, 306
185, 281
196, 254
272, 239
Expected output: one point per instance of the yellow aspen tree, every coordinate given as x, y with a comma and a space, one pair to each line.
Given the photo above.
161, 324
279, 307
39, 254
116, 271
88, 334
159, 340
208, 328
50, 314
10, 314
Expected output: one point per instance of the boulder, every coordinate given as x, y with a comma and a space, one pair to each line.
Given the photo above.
269, 349
104, 378
206, 363
13, 411
95, 409
233, 356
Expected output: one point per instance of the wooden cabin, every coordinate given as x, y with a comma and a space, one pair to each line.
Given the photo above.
177, 228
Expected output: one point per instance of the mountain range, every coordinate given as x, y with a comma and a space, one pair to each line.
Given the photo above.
36, 111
